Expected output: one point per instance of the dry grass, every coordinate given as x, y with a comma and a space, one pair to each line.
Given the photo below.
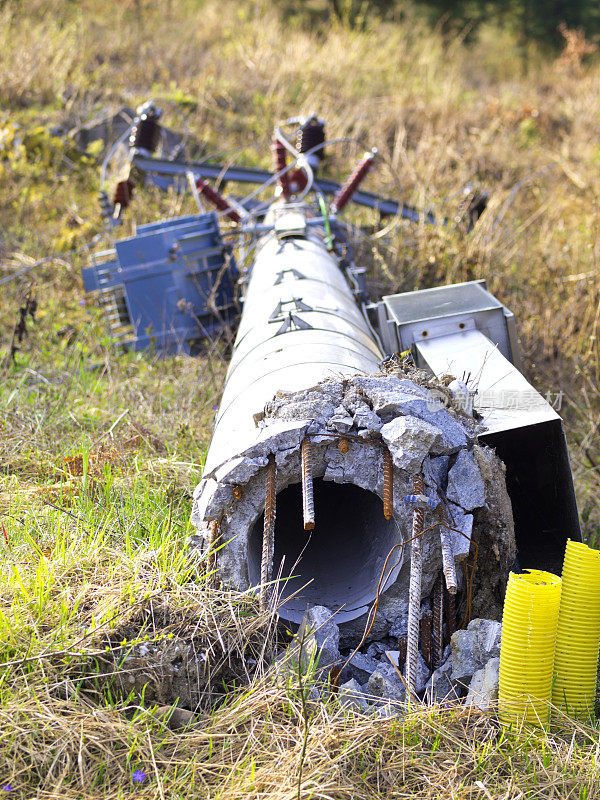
99, 451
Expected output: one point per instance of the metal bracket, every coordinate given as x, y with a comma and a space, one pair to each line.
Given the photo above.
280, 311
293, 323
298, 275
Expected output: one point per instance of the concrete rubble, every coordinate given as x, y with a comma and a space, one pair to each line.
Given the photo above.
461, 476
466, 486
483, 689
373, 682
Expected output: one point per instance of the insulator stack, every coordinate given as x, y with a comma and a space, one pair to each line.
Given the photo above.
388, 484
217, 199
123, 193
146, 132
308, 502
279, 164
310, 135
356, 178
297, 180
414, 591
106, 206
268, 546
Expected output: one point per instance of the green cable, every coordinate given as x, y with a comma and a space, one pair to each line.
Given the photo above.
326, 218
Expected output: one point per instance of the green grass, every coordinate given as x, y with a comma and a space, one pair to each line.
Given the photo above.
100, 450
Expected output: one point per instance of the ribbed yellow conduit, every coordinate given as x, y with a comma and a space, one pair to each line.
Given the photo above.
578, 633
529, 626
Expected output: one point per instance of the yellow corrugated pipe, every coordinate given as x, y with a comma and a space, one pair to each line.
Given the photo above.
578, 633
529, 627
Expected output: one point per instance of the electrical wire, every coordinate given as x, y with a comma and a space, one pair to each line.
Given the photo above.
110, 154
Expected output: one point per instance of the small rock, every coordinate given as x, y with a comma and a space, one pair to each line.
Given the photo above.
175, 718
410, 440
383, 684
435, 472
488, 636
318, 621
350, 695
473, 648
399, 626
460, 538
376, 650
465, 484
342, 423
440, 686
362, 666
423, 671
389, 711
483, 689
463, 660
367, 420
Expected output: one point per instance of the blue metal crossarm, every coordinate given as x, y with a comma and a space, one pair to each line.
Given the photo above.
386, 207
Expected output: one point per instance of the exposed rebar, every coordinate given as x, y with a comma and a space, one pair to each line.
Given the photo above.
448, 564
308, 500
414, 591
437, 628
450, 608
268, 545
426, 636
388, 484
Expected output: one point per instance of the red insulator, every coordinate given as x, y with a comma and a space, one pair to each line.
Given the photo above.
123, 193
216, 199
279, 164
297, 180
347, 190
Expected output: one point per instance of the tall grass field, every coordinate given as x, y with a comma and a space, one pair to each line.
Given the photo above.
104, 619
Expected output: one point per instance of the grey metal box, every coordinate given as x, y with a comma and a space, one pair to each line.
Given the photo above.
411, 317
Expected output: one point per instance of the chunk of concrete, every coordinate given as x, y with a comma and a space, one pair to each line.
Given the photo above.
318, 622
463, 661
423, 671
465, 484
460, 537
404, 398
435, 472
351, 695
366, 420
483, 689
473, 648
341, 423
362, 666
409, 440
487, 639
383, 684
240, 470
440, 687
376, 650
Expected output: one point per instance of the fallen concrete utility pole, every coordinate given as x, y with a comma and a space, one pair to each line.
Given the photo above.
331, 465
